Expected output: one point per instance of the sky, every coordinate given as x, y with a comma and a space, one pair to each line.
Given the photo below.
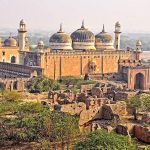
134, 15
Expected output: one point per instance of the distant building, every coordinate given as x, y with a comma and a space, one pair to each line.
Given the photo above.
10, 47
78, 54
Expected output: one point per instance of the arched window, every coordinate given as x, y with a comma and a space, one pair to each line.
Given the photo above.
13, 59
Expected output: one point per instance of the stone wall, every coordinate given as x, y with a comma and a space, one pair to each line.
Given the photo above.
7, 52
13, 84
72, 63
8, 70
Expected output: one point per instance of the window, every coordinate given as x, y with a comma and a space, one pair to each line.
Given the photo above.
3, 53
13, 59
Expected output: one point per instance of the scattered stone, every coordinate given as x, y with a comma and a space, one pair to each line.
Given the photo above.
96, 91
142, 133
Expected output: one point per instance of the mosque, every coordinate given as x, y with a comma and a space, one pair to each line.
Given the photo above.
78, 54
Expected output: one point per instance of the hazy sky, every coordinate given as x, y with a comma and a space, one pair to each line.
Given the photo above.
134, 15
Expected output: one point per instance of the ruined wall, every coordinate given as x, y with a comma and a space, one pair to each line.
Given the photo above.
8, 70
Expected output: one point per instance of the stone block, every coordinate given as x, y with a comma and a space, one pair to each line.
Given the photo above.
142, 133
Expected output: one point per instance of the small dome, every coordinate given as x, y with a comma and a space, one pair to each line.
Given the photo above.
103, 40
10, 42
83, 39
60, 40
40, 43
117, 27
138, 43
118, 24
22, 22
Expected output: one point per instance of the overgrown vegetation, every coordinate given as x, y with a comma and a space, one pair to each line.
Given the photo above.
102, 140
76, 82
42, 84
27, 122
139, 103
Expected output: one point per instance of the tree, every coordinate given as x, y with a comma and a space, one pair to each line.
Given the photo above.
139, 103
146, 102
32, 121
42, 84
135, 103
65, 128
102, 140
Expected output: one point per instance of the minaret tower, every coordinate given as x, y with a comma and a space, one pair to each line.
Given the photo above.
139, 46
117, 35
22, 35
139, 50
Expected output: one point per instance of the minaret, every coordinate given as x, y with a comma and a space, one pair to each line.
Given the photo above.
139, 46
139, 50
117, 35
22, 35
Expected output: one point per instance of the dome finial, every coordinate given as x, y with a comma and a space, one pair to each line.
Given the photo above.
103, 30
82, 24
60, 30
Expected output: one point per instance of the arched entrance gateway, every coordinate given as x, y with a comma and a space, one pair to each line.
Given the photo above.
139, 81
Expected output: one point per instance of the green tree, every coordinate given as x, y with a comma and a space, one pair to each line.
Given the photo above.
146, 103
42, 84
34, 122
102, 140
135, 103
65, 128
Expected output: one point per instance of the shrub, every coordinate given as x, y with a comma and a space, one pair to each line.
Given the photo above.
76, 81
42, 84
101, 140
34, 122
11, 96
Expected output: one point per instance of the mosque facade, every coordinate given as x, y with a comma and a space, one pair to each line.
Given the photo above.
77, 54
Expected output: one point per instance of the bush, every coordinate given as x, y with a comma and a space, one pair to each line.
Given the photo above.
9, 101
42, 84
34, 122
101, 140
76, 81
11, 96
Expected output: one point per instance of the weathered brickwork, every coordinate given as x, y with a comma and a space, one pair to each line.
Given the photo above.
7, 54
60, 64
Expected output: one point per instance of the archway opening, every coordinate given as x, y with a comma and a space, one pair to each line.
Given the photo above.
13, 59
139, 81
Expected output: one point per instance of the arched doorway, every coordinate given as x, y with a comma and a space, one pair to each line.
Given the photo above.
13, 59
139, 81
